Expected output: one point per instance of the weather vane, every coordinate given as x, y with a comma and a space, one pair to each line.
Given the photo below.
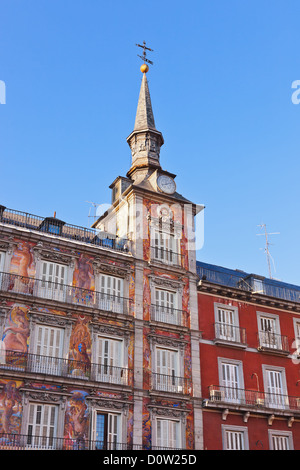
144, 67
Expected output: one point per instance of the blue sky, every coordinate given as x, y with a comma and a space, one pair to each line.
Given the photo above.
221, 94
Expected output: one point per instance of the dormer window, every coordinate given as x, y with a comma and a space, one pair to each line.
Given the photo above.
52, 225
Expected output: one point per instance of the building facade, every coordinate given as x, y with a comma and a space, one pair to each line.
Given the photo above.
249, 351
99, 326
115, 337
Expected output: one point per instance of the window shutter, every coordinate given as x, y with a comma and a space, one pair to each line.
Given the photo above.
49, 341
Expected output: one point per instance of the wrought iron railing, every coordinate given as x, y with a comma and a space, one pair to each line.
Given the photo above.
166, 256
171, 383
10, 441
168, 315
253, 398
248, 282
47, 365
64, 293
34, 442
230, 333
268, 340
56, 227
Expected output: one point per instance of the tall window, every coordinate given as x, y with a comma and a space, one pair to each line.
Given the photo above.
1, 266
48, 347
269, 332
164, 248
231, 380
41, 428
168, 434
107, 431
111, 293
165, 307
166, 372
297, 336
226, 327
53, 285
276, 397
109, 366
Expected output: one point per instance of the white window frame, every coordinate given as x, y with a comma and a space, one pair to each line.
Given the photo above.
163, 430
164, 247
166, 309
271, 338
53, 285
2, 263
227, 330
47, 352
296, 322
111, 293
232, 385
40, 440
274, 399
112, 418
282, 438
111, 369
167, 368
239, 437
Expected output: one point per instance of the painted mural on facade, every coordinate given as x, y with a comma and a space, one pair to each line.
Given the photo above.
15, 335
10, 408
23, 266
80, 348
76, 432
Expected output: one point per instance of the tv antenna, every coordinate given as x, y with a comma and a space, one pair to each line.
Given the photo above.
95, 205
267, 251
143, 57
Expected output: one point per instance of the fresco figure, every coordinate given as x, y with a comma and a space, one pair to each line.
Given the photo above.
10, 408
16, 334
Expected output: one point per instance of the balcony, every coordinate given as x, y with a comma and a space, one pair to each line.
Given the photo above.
67, 368
231, 396
273, 343
171, 384
166, 256
169, 315
230, 335
33, 442
59, 228
13, 283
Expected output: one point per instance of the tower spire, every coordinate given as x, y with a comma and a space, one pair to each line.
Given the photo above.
145, 140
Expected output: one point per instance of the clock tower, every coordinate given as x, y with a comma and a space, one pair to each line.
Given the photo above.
158, 224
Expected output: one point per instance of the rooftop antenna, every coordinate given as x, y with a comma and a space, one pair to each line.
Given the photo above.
267, 251
95, 205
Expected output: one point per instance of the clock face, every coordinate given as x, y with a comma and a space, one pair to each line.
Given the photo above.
166, 184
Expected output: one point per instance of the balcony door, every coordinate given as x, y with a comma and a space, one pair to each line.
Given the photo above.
107, 430
275, 388
268, 336
231, 382
41, 429
165, 307
226, 325
168, 434
1, 267
166, 377
53, 281
164, 247
109, 362
47, 358
111, 293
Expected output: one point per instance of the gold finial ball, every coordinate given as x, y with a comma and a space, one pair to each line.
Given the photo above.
144, 68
